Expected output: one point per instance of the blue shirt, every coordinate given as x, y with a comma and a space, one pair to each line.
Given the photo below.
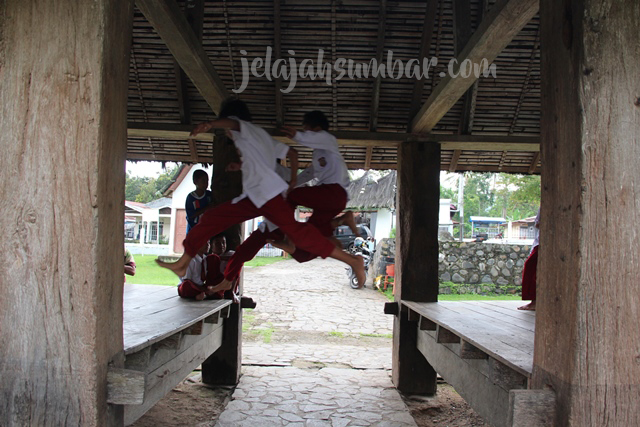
194, 203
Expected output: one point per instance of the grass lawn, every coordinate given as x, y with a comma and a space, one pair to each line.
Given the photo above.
466, 297
148, 272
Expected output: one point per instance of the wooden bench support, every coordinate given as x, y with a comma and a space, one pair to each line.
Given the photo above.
469, 351
427, 325
531, 408
505, 377
445, 336
168, 366
214, 318
125, 386
469, 378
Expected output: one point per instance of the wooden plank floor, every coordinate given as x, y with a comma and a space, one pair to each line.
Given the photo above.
152, 313
497, 328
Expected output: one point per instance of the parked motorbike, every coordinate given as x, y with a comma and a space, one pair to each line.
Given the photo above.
360, 248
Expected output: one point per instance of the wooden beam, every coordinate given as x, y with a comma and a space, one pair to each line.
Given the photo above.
367, 159
193, 148
416, 270
194, 12
531, 408
425, 45
454, 160
64, 87
172, 26
534, 163
125, 386
277, 50
462, 22
503, 22
358, 138
375, 96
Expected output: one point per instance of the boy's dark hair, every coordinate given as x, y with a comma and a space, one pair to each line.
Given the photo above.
199, 173
316, 118
235, 107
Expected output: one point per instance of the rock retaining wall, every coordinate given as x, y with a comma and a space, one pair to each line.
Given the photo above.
469, 267
482, 263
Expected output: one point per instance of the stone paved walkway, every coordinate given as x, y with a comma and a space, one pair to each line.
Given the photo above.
327, 356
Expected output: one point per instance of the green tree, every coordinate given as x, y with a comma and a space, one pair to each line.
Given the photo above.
145, 189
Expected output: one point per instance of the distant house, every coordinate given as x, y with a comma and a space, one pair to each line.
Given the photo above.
376, 201
486, 225
146, 226
523, 228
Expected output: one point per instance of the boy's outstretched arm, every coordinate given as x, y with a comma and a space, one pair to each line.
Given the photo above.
224, 123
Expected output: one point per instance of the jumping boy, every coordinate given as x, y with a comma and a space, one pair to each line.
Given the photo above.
262, 195
329, 196
198, 201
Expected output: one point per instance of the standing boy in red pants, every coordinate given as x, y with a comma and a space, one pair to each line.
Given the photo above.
262, 195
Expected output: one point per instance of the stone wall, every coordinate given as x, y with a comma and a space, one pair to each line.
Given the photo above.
482, 263
481, 267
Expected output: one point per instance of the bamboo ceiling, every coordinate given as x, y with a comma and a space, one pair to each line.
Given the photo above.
160, 95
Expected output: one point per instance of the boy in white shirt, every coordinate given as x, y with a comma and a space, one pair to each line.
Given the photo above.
262, 195
329, 196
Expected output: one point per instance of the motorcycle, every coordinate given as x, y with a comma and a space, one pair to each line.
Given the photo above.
360, 248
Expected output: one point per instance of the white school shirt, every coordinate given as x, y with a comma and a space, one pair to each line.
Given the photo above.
328, 165
194, 270
259, 152
536, 240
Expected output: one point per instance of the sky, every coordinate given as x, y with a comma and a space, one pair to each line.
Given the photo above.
153, 169
150, 169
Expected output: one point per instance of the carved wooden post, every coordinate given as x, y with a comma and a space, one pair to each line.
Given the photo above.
587, 345
223, 367
63, 95
416, 258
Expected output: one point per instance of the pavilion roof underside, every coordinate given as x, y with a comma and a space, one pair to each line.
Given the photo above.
505, 107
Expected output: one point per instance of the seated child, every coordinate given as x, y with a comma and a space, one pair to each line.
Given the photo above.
192, 284
215, 264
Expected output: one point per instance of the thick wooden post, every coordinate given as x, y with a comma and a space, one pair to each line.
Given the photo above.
63, 95
587, 345
416, 258
224, 366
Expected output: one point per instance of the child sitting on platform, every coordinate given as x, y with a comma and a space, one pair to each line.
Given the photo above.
192, 284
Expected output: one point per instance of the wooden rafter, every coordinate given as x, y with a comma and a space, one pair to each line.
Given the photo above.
375, 96
534, 163
454, 160
172, 26
193, 149
360, 139
277, 51
194, 12
368, 157
525, 84
425, 45
503, 22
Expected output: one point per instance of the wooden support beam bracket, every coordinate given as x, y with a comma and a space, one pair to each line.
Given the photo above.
125, 386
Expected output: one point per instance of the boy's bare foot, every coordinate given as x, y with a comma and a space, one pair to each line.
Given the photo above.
179, 267
349, 219
529, 307
201, 296
225, 285
284, 244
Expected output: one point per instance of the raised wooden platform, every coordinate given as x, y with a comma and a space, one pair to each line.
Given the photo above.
166, 337
484, 349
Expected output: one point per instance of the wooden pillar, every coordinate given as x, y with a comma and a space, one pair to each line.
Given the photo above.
587, 345
223, 367
63, 96
416, 258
